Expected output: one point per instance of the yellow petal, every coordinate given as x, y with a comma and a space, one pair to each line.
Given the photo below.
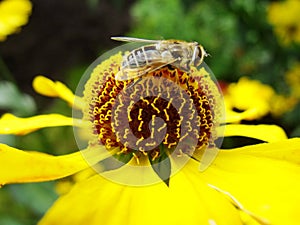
13, 15
254, 100
63, 186
264, 178
186, 201
47, 87
18, 166
250, 96
248, 93
233, 117
10, 124
268, 133
249, 114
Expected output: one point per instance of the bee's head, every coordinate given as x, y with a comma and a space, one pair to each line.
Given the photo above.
198, 55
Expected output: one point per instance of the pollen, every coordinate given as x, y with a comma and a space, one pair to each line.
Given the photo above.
166, 114
156, 154
142, 116
140, 126
154, 107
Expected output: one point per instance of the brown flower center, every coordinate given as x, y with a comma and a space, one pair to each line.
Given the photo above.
167, 109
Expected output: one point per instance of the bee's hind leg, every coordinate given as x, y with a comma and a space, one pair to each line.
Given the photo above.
135, 82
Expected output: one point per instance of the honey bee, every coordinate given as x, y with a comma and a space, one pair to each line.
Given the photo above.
157, 54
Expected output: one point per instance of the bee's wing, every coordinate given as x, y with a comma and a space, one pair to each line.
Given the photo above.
132, 39
121, 76
128, 74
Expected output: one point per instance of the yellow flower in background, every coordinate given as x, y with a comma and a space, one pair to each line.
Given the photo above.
257, 183
253, 100
285, 18
292, 78
13, 15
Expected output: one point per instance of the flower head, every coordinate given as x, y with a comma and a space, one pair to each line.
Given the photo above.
169, 112
284, 16
250, 99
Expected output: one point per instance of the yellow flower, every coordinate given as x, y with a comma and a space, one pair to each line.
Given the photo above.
256, 183
13, 15
250, 99
285, 18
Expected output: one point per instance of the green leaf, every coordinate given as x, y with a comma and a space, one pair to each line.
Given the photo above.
37, 196
13, 100
115, 162
162, 165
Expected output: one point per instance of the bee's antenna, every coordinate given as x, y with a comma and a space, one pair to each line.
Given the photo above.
206, 54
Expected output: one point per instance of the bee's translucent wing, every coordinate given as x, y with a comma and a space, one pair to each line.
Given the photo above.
132, 39
121, 76
128, 74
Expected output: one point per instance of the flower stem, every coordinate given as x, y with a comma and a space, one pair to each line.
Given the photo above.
5, 72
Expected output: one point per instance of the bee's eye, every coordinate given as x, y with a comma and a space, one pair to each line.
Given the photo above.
200, 55
200, 52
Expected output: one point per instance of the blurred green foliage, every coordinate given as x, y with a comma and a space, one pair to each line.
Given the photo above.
235, 33
22, 204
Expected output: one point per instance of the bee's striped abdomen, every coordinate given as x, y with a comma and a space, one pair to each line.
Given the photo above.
141, 57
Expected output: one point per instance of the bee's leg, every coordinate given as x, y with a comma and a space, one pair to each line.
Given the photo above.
187, 82
135, 82
187, 85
